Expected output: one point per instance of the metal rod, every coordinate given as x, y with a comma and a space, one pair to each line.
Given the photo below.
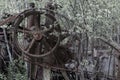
7, 45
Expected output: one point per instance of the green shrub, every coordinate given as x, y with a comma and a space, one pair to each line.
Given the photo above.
16, 71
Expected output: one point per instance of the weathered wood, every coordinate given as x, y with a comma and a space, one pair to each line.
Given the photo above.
118, 74
111, 43
117, 48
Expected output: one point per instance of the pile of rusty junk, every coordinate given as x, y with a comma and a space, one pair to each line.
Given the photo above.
49, 52
35, 36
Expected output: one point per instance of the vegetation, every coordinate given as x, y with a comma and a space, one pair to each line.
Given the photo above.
15, 71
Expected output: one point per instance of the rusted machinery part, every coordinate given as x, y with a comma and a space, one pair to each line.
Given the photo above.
18, 20
8, 20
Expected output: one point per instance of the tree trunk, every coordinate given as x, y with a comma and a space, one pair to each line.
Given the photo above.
46, 74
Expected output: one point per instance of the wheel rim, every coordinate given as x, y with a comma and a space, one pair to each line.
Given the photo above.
16, 25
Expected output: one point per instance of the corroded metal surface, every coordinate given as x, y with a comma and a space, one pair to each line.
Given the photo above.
8, 20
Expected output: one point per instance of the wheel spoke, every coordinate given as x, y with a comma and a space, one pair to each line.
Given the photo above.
30, 45
24, 30
46, 44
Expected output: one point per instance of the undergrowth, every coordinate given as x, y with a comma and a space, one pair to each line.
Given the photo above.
15, 71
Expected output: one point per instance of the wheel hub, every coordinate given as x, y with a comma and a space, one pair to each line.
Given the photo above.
37, 35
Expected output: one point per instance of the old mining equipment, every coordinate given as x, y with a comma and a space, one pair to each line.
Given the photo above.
51, 52
34, 35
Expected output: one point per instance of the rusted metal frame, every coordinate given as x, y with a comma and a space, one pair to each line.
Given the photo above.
8, 20
33, 68
54, 68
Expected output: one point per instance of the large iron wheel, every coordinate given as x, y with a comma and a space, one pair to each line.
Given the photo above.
27, 39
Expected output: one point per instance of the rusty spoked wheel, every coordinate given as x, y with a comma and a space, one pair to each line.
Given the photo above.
34, 38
